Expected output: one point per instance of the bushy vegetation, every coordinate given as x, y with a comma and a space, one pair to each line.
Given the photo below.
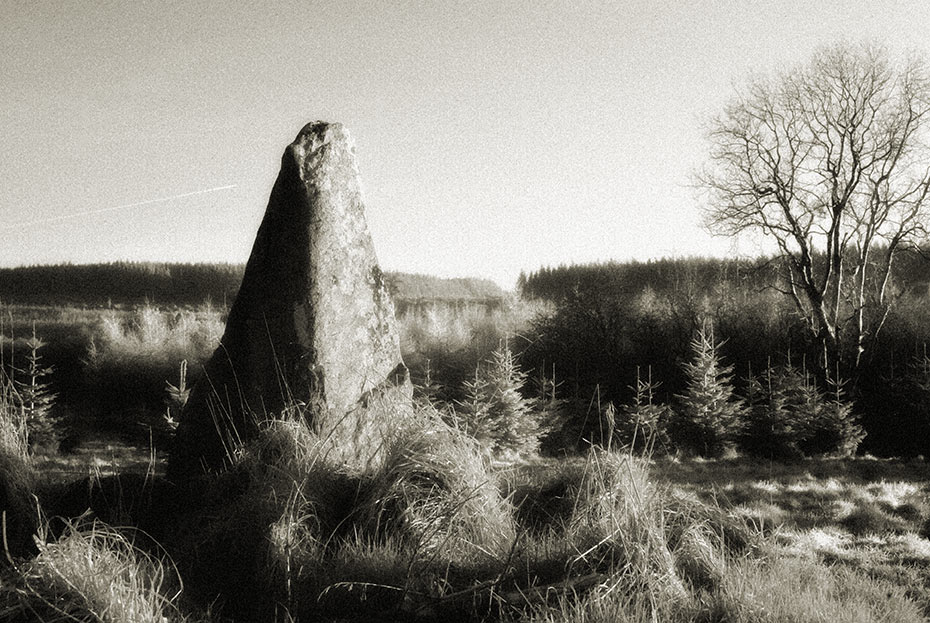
779, 411
429, 534
130, 357
289, 510
604, 325
17, 474
459, 518
607, 321
431, 531
74, 371
443, 344
414, 293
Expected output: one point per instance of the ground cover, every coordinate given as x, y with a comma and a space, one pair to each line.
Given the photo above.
865, 514
286, 534
604, 536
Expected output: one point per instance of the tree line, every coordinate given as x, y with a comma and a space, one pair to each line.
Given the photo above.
910, 274
188, 285
612, 322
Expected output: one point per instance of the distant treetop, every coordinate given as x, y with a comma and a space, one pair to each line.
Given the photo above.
699, 274
132, 283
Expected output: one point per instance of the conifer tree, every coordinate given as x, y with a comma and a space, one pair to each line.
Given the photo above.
919, 371
805, 401
708, 410
427, 390
643, 423
836, 430
35, 397
775, 400
473, 414
551, 412
516, 427
788, 416
494, 410
906, 407
176, 398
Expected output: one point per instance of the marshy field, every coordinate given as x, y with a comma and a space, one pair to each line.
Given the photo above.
647, 442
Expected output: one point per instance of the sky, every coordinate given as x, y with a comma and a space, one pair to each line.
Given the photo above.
491, 137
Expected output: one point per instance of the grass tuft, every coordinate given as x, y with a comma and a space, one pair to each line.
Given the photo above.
18, 507
92, 573
788, 589
282, 518
870, 519
436, 491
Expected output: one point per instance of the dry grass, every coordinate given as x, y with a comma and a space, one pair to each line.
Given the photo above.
752, 591
92, 573
18, 507
285, 514
148, 334
861, 497
644, 553
290, 532
790, 589
436, 489
865, 520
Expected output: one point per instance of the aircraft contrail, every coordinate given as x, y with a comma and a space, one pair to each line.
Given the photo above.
65, 217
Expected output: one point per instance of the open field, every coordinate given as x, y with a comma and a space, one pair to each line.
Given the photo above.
825, 540
444, 530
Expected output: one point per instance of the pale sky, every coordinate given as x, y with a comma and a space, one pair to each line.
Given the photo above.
491, 136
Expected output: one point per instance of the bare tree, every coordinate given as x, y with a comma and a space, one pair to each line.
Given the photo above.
831, 161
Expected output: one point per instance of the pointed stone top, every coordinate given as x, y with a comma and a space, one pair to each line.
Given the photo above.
326, 147
315, 135
321, 128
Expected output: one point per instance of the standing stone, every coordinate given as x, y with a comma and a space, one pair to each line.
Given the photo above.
312, 326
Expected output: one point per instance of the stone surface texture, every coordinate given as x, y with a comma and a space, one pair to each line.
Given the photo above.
312, 329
